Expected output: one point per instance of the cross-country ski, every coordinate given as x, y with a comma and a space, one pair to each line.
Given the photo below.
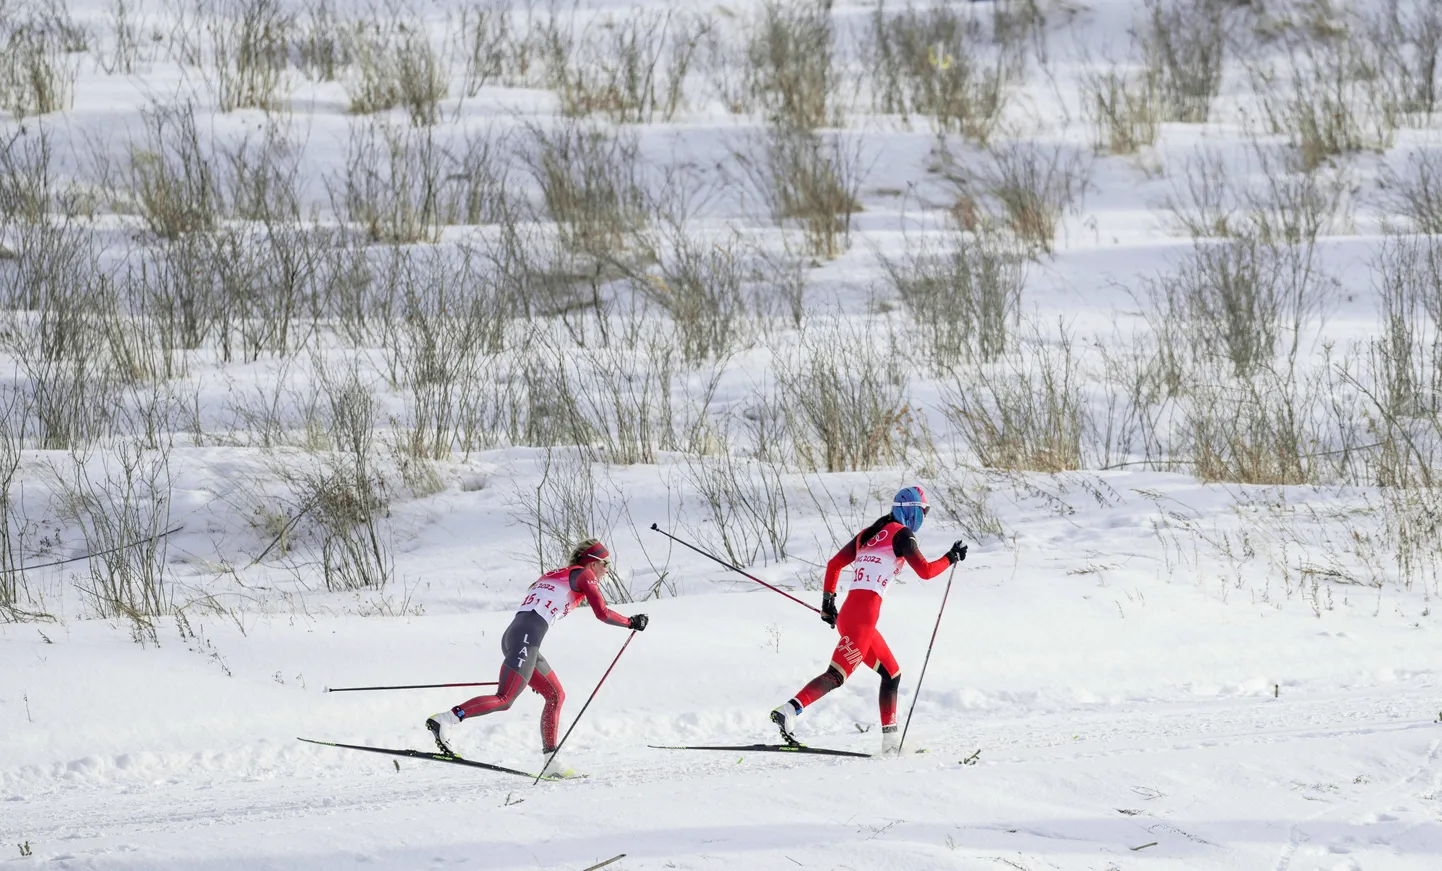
420, 754
767, 748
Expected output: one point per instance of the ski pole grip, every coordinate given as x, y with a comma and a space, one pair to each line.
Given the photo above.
655, 527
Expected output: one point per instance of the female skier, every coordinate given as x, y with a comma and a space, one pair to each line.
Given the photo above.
549, 599
879, 551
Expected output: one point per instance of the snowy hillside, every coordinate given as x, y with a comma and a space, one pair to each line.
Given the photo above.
326, 327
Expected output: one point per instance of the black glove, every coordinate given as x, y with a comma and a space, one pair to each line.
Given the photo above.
957, 553
828, 609
639, 622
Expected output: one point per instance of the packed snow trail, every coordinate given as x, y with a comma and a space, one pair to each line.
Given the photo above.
157, 759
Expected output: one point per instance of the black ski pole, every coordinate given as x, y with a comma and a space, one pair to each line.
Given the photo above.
584, 707
738, 571
926, 661
419, 686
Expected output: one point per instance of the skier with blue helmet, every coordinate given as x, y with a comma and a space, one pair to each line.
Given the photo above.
878, 552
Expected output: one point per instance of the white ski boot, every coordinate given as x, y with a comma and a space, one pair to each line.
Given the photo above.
555, 769
442, 727
784, 716
890, 741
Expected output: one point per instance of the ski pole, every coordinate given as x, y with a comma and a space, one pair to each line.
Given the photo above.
924, 662
734, 568
584, 707
419, 686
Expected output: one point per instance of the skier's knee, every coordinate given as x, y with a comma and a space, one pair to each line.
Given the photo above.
888, 680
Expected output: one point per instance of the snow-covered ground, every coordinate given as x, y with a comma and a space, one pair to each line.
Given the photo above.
1195, 627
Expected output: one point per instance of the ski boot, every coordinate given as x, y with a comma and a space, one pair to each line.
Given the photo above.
442, 728
890, 741
784, 716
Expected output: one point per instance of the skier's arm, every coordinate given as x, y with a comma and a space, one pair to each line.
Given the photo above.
844, 557
907, 548
582, 581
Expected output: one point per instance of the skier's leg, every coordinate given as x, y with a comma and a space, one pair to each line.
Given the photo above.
545, 682
520, 648
850, 651
879, 658
844, 659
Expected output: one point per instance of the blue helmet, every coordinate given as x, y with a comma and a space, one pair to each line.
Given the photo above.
909, 508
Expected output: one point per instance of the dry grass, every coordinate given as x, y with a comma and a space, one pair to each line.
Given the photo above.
938, 64
1124, 107
589, 177
809, 178
1025, 412
791, 73
964, 294
249, 43
1184, 44
1026, 186
39, 58
845, 398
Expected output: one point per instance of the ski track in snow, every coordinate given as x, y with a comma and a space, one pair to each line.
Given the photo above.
350, 785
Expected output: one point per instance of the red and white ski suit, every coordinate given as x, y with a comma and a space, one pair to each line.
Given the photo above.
553, 595
879, 553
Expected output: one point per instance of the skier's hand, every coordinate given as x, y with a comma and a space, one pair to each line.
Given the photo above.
638, 622
828, 609
957, 553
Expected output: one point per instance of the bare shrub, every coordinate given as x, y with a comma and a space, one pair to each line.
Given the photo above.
322, 42
744, 506
812, 179
1326, 98
450, 321
623, 396
542, 276
961, 493
1407, 274
395, 65
1295, 206
590, 184
12, 443
172, 179
1408, 36
484, 39
123, 54
53, 298
961, 293
345, 496
249, 42
1239, 299
122, 508
631, 68
1031, 185
402, 185
1123, 106
39, 51
1204, 199
1417, 191
1184, 46
261, 177
845, 396
1026, 412
791, 68
1258, 429
569, 506
700, 286
29, 187
936, 63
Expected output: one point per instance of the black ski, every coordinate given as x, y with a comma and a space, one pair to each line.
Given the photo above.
421, 754
768, 748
